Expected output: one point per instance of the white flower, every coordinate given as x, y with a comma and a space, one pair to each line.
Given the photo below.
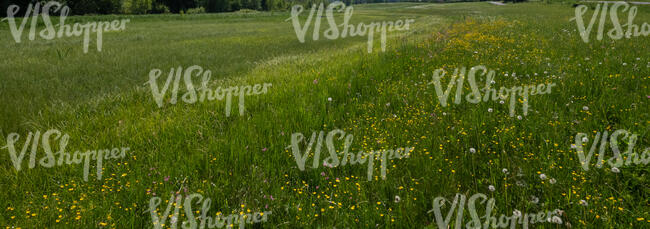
542, 176
583, 203
624, 64
504, 170
552, 181
491, 188
329, 99
173, 219
472, 150
573, 146
397, 199
558, 212
585, 108
388, 104
516, 213
490, 110
502, 102
585, 139
519, 117
638, 58
615, 170
556, 219
534, 199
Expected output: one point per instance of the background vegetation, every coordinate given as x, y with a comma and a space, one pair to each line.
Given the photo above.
83, 7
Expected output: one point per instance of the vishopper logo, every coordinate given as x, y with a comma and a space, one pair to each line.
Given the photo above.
489, 221
615, 33
50, 33
458, 79
333, 159
204, 93
219, 221
50, 160
631, 157
347, 30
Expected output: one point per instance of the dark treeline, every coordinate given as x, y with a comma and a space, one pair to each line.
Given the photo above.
82, 7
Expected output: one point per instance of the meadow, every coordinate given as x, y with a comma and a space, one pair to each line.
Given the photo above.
384, 99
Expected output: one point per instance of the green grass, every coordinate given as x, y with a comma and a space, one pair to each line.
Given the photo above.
99, 100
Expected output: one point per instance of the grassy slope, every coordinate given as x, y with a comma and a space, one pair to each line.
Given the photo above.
100, 101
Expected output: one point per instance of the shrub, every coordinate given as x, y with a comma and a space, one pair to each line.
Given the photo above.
198, 10
136, 6
160, 9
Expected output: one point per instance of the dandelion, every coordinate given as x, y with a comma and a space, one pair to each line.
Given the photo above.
491, 188
542, 176
583, 203
472, 150
552, 181
397, 199
615, 170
